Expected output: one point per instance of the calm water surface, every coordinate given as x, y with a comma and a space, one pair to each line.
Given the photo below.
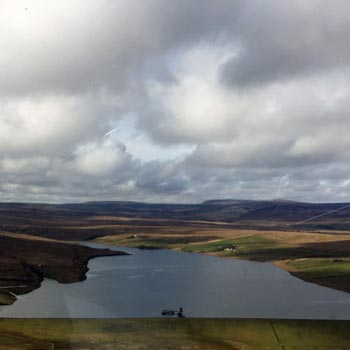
145, 283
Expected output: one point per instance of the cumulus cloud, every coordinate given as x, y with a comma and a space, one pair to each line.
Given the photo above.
47, 125
255, 93
57, 46
290, 123
195, 107
100, 159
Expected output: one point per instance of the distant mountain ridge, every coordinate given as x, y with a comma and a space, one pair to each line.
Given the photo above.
231, 211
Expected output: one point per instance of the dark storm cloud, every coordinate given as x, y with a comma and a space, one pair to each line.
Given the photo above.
58, 47
288, 39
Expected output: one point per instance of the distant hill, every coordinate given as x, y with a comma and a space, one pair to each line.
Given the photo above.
245, 213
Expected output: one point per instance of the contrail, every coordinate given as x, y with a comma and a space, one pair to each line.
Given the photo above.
86, 147
137, 138
7, 287
78, 151
133, 140
111, 131
168, 122
318, 216
81, 149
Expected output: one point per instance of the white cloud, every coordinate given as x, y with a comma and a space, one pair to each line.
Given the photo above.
24, 165
196, 107
251, 90
100, 159
47, 125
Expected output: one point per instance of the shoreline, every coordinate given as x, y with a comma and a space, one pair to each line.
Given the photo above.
283, 263
62, 262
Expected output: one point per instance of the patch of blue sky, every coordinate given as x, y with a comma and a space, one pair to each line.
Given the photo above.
140, 145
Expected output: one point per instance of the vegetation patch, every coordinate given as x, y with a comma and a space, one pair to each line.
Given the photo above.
330, 272
200, 334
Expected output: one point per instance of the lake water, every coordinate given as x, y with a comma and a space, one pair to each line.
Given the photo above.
146, 282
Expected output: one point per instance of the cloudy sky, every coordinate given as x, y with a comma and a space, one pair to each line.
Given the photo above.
174, 101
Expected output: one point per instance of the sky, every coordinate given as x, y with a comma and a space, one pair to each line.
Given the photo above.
174, 101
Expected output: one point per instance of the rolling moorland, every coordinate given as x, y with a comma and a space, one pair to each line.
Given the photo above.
37, 240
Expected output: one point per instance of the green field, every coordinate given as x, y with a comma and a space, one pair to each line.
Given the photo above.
248, 246
323, 271
214, 334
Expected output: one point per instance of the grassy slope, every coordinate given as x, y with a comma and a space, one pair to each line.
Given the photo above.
173, 334
327, 272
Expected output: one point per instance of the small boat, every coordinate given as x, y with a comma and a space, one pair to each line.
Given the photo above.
168, 312
178, 312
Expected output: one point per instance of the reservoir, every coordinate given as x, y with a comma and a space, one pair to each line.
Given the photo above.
146, 282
